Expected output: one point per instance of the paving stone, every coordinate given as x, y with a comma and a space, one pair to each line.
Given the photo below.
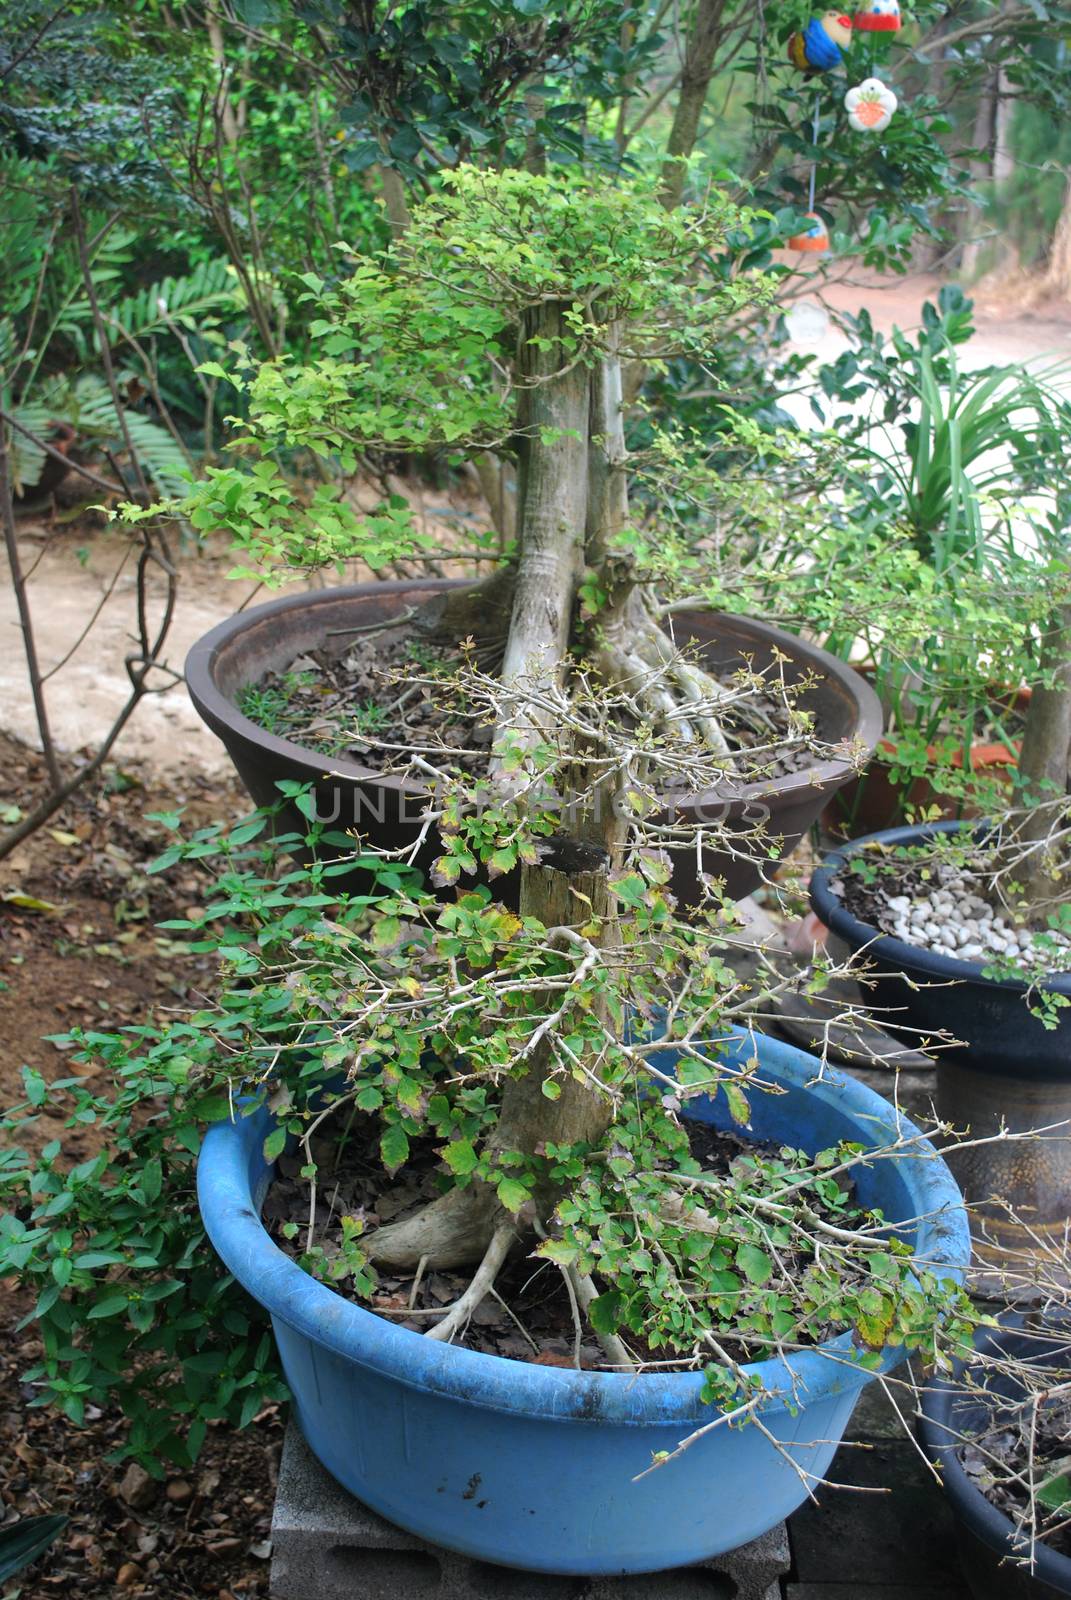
902, 1539
326, 1545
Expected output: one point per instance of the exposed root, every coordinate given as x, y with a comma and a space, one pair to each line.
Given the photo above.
478, 611
676, 694
456, 1319
452, 1231
612, 1347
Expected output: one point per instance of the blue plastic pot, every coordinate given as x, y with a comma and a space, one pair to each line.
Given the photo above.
533, 1466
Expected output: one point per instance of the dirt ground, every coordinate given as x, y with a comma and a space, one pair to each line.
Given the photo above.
80, 946
1012, 325
83, 947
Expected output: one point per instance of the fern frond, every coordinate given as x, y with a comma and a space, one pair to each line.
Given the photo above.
49, 404
162, 458
172, 302
87, 405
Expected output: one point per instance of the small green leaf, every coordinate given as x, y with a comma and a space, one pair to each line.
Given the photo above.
460, 1157
35, 1086
557, 1250
386, 932
513, 1194
754, 1263
275, 1144
394, 1147
111, 1307
606, 1311
739, 1109
1055, 1492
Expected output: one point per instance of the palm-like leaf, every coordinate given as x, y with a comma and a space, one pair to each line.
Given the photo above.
168, 304
88, 406
24, 1541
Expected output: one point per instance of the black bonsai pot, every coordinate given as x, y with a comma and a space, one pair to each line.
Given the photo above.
991, 1553
930, 993
387, 810
1006, 1070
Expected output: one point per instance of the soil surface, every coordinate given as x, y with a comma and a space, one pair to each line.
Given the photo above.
1013, 322
1019, 1446
393, 693
206, 1532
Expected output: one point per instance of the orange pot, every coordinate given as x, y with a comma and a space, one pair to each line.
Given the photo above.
872, 801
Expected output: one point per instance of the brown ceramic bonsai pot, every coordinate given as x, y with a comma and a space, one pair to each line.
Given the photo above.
387, 810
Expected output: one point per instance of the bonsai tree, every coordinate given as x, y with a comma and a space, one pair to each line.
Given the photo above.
517, 1040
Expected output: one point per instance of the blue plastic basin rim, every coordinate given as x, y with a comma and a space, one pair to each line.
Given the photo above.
232, 1178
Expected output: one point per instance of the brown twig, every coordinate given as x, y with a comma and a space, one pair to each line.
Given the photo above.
22, 601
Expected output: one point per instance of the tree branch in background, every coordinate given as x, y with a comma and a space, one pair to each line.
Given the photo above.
29, 643
702, 47
1043, 761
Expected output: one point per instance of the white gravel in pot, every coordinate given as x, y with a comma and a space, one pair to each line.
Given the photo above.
952, 920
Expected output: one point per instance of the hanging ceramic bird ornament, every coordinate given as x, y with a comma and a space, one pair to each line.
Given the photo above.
870, 106
821, 45
813, 238
879, 16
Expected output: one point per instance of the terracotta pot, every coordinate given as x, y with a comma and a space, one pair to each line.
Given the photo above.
871, 801
244, 649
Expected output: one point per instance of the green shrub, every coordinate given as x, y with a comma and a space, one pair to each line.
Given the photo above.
131, 1304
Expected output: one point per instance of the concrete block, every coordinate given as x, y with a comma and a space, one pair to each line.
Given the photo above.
328, 1546
896, 1534
876, 1591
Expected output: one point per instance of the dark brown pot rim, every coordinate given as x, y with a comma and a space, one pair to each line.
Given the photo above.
223, 716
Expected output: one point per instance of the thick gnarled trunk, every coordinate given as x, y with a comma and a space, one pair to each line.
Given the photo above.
574, 501
551, 517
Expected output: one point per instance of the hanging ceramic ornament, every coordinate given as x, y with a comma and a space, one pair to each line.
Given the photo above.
879, 16
813, 238
870, 106
821, 45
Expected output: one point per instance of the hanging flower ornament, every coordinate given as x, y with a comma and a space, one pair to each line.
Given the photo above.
880, 16
821, 45
814, 238
870, 106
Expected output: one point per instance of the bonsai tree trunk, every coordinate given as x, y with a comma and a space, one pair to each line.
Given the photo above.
573, 501
1043, 763
468, 1224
